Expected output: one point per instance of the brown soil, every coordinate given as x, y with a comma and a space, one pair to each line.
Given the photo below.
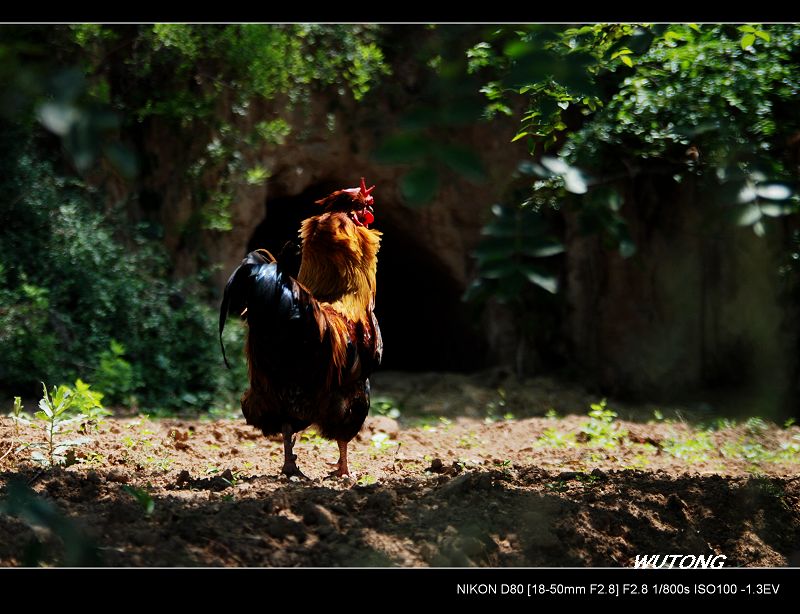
444, 485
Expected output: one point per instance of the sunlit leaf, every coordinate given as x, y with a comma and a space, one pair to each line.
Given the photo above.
773, 210
774, 191
750, 214
747, 194
543, 280
747, 41
575, 181
57, 117
498, 269
555, 165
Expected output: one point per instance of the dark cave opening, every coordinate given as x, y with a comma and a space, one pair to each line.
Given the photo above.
424, 323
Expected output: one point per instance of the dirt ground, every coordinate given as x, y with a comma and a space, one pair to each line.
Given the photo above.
472, 471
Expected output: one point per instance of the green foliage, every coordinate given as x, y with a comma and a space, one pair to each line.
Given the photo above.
508, 255
711, 103
69, 288
115, 376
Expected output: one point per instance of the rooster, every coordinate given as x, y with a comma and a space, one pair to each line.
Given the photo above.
312, 342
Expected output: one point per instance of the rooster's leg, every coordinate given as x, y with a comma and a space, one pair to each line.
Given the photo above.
341, 467
289, 458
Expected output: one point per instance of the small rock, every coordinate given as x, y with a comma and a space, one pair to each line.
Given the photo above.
227, 475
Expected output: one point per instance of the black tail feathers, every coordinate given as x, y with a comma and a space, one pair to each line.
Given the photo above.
234, 299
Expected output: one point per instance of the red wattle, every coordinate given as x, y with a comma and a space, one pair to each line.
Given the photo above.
368, 217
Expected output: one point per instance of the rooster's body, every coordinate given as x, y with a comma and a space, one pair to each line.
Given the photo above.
313, 341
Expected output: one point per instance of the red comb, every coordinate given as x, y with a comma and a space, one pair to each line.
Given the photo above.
364, 190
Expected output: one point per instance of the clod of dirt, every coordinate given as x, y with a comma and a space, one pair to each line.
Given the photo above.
316, 514
437, 466
566, 476
382, 424
183, 478
117, 476
599, 474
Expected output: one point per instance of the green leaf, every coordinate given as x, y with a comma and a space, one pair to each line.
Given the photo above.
746, 28
520, 135
494, 249
747, 41
403, 149
627, 61
627, 248
476, 291
420, 185
548, 247
674, 36
499, 269
464, 161
142, 497
763, 35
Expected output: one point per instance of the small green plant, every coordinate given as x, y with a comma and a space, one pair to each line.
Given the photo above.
551, 438
551, 413
142, 497
18, 416
601, 431
366, 480
381, 442
693, 448
385, 406
470, 440
311, 437
60, 410
498, 410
